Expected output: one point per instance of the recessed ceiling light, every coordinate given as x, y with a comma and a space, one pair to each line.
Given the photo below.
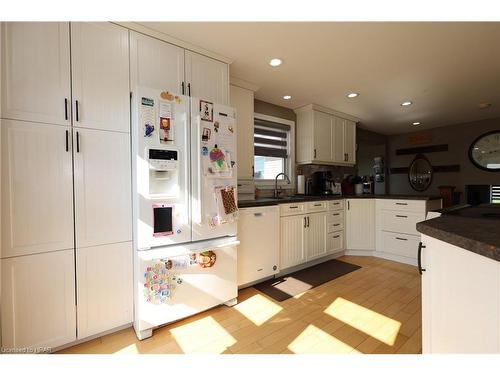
287, 97
352, 95
275, 62
415, 123
404, 104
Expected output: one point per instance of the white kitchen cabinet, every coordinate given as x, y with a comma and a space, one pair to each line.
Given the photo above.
37, 188
338, 149
104, 287
38, 300
292, 240
35, 72
460, 300
100, 76
258, 251
316, 241
242, 99
324, 137
103, 212
360, 224
156, 64
322, 128
207, 78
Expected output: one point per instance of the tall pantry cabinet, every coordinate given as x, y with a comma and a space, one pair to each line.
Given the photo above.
66, 256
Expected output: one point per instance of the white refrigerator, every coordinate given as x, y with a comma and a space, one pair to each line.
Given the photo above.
184, 206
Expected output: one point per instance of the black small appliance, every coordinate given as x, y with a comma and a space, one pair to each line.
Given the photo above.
321, 183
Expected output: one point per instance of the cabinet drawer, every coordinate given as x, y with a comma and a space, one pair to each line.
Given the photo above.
336, 205
292, 209
334, 227
400, 244
335, 241
403, 205
316, 206
403, 222
335, 217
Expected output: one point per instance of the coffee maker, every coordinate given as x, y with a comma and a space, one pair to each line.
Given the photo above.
322, 183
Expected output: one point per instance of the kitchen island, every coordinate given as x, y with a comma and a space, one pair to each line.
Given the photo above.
460, 266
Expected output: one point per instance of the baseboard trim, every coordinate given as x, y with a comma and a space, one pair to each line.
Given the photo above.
89, 338
383, 255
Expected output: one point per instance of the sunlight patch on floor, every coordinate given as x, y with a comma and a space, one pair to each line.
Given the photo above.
258, 309
314, 340
365, 320
201, 333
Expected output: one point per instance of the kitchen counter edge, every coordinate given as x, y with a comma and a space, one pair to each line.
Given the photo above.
272, 201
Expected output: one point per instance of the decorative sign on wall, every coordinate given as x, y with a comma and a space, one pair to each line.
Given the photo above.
421, 138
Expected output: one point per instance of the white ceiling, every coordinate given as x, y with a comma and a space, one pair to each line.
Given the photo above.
445, 69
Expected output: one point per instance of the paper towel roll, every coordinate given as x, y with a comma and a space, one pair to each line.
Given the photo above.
301, 184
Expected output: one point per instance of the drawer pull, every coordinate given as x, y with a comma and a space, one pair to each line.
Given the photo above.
401, 204
336, 225
293, 206
403, 216
337, 236
258, 214
336, 203
318, 205
402, 239
335, 214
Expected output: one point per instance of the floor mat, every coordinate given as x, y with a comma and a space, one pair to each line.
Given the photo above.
284, 287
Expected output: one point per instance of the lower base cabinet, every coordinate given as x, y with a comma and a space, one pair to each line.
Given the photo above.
292, 233
316, 241
104, 287
460, 300
38, 300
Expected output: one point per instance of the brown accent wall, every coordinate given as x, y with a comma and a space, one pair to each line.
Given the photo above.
458, 137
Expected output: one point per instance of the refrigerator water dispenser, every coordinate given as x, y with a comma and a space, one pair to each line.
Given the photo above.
163, 172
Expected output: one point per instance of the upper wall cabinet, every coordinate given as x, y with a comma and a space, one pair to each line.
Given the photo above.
242, 100
100, 76
207, 78
323, 137
35, 72
156, 64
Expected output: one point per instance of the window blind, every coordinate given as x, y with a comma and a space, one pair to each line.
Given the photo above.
270, 138
495, 193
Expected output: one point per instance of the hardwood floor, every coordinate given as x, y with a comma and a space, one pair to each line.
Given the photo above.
375, 309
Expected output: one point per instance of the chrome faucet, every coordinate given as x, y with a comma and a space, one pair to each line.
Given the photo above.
276, 192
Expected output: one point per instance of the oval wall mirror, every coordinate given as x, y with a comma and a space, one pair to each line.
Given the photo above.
420, 173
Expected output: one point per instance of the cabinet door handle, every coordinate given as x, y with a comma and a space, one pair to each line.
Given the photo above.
403, 216
419, 257
77, 141
65, 108
337, 236
77, 111
253, 171
67, 140
401, 204
346, 157
182, 87
401, 239
348, 205
308, 222
305, 222
189, 89
314, 153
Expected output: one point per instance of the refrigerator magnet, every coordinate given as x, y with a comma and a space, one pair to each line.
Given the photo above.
204, 151
205, 135
148, 130
216, 126
206, 111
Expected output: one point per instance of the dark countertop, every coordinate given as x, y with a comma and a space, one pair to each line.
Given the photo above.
308, 198
473, 228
